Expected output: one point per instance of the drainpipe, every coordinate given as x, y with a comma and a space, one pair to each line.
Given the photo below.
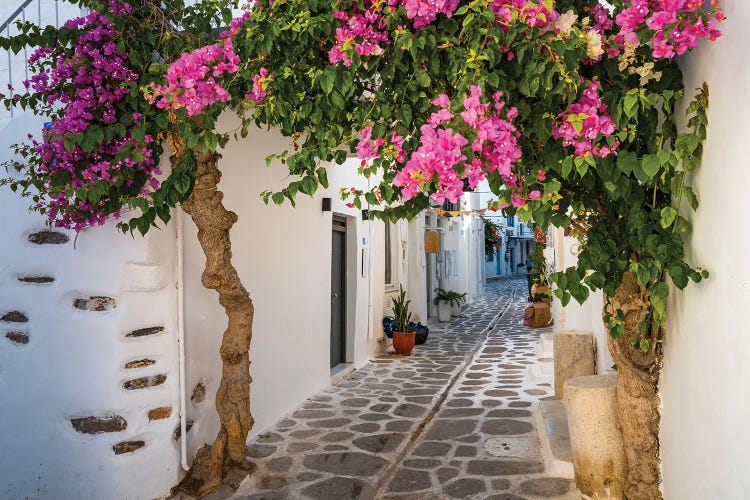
180, 271
370, 281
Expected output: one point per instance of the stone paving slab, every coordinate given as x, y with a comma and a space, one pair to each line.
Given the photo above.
454, 420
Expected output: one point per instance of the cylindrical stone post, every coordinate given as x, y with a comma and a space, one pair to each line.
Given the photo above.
574, 356
596, 441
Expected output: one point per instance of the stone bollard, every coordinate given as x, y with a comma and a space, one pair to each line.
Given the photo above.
574, 356
596, 441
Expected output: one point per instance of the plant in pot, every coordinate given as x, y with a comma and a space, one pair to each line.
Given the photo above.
443, 302
539, 287
403, 339
456, 299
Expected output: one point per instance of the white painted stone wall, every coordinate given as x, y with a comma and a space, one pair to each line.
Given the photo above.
705, 442
562, 252
74, 363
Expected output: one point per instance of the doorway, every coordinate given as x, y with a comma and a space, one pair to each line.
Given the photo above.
338, 291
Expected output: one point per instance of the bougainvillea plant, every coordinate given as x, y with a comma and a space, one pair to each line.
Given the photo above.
566, 107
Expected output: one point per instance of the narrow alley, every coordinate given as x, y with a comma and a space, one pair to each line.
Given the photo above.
454, 420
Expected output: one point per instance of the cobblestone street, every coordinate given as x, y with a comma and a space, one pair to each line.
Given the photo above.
454, 420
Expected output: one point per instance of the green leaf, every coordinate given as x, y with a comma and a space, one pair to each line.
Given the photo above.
328, 80
308, 185
581, 165
644, 345
423, 78
161, 121
567, 166
627, 162
678, 275
668, 215
691, 197
630, 103
651, 165
278, 198
323, 177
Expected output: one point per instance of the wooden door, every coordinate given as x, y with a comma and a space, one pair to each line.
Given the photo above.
338, 292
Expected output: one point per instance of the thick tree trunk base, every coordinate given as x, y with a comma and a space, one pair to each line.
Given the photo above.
637, 393
233, 395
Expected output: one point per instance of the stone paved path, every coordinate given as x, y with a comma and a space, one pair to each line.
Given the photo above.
454, 420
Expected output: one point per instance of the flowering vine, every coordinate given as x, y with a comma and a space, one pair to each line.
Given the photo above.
82, 151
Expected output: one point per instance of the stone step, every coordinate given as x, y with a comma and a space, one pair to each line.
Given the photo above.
552, 425
544, 347
542, 372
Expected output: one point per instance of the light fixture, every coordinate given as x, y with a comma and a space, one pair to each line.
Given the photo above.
326, 204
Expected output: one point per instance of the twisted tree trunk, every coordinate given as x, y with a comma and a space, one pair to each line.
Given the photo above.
233, 396
637, 392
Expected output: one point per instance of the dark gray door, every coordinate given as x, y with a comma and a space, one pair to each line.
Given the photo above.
338, 292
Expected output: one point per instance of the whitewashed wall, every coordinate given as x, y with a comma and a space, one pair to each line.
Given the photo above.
705, 442
65, 363
562, 253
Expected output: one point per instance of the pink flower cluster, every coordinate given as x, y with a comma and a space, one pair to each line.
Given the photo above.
596, 35
440, 161
584, 123
260, 86
533, 13
192, 79
677, 24
362, 31
86, 81
601, 17
437, 159
424, 12
496, 145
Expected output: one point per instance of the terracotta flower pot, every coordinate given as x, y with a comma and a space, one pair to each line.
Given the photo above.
403, 342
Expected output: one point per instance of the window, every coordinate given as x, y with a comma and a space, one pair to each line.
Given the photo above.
447, 205
388, 254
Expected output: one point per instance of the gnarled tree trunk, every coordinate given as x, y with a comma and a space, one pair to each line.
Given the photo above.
233, 396
637, 392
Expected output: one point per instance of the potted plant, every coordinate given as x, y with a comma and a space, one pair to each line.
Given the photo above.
403, 339
539, 289
443, 302
456, 299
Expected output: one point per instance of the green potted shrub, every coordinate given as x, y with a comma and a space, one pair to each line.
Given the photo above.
443, 303
403, 339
